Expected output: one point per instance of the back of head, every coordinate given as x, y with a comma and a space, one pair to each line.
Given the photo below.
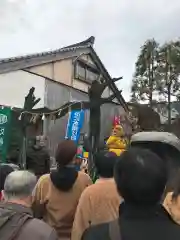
38, 160
4, 171
65, 176
65, 152
105, 162
169, 154
19, 184
140, 176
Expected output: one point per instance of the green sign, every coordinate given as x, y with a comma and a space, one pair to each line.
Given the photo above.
5, 117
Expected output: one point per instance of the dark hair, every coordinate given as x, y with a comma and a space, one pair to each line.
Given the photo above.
173, 185
37, 160
5, 170
140, 176
65, 152
105, 162
13, 157
169, 154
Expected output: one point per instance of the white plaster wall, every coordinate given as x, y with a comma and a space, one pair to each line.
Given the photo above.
14, 86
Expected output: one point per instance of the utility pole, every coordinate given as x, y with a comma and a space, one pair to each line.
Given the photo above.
169, 105
168, 83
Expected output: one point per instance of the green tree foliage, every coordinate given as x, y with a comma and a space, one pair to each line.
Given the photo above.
169, 70
157, 71
144, 83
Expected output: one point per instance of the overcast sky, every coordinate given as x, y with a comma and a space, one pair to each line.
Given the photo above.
119, 26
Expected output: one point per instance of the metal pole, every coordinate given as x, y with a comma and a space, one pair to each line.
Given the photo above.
24, 152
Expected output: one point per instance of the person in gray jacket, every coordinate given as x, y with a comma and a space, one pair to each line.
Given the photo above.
16, 218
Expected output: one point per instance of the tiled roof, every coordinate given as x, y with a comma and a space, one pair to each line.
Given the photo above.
87, 43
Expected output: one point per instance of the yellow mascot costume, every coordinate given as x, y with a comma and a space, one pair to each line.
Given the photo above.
116, 143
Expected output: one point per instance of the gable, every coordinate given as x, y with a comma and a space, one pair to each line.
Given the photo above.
87, 70
88, 59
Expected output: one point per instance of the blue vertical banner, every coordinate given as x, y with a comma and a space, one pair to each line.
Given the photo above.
75, 123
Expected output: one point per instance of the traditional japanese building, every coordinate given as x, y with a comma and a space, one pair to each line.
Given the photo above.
58, 77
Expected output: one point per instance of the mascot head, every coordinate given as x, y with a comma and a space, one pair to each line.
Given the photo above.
118, 131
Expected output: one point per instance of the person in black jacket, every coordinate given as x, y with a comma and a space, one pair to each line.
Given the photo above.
38, 158
140, 177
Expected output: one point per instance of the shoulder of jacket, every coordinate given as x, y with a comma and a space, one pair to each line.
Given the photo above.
43, 178
38, 229
90, 190
84, 179
83, 175
100, 231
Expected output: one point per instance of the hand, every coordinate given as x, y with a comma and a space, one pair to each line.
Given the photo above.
84, 165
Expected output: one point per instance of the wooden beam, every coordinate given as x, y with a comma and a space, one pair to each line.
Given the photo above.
117, 79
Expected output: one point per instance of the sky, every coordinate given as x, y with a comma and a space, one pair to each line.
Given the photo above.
119, 27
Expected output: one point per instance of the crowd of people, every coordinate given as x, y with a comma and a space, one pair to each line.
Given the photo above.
136, 197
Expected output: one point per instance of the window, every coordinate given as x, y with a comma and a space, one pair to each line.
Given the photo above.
85, 72
90, 75
80, 72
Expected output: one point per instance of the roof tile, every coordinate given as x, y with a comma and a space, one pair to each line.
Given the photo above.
87, 43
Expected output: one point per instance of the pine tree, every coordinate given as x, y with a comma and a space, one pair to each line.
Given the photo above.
169, 72
145, 78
